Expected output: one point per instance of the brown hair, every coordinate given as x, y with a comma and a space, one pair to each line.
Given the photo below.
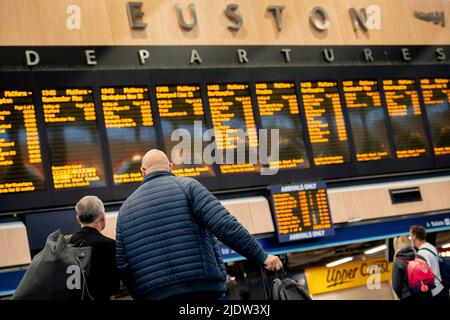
419, 232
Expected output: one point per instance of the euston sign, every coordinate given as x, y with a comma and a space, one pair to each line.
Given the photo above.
366, 19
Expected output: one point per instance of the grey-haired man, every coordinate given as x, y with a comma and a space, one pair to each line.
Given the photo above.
103, 281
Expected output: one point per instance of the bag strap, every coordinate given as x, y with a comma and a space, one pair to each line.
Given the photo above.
282, 272
265, 284
421, 257
282, 291
277, 290
404, 260
431, 251
85, 288
438, 258
77, 246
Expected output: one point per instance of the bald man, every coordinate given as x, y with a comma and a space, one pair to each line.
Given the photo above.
155, 160
165, 237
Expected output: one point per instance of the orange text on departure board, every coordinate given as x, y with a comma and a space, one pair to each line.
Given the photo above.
362, 96
17, 110
230, 102
118, 102
181, 106
402, 101
60, 108
279, 99
302, 211
319, 100
125, 107
437, 92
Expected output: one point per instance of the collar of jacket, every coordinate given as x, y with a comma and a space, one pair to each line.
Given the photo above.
87, 229
157, 174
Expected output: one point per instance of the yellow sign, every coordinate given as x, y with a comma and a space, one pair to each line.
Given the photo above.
368, 273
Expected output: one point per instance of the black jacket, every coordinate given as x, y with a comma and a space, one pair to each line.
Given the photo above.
103, 280
400, 276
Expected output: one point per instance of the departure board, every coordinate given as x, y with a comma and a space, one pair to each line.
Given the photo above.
232, 114
129, 128
278, 109
72, 131
20, 153
301, 211
402, 102
367, 120
181, 108
436, 96
326, 124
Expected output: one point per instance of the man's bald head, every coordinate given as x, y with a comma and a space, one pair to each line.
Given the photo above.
155, 160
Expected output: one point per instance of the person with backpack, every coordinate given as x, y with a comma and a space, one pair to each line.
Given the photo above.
429, 252
165, 242
103, 279
81, 266
404, 254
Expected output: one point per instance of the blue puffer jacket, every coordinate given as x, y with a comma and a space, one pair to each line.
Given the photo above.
164, 248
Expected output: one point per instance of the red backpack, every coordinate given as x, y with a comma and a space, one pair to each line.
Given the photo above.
420, 275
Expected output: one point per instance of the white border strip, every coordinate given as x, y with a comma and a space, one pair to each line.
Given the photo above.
12, 225
399, 184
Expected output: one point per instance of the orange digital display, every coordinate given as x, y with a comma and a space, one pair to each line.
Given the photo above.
278, 109
301, 211
367, 119
436, 96
20, 152
181, 109
402, 102
72, 132
232, 114
325, 121
129, 128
